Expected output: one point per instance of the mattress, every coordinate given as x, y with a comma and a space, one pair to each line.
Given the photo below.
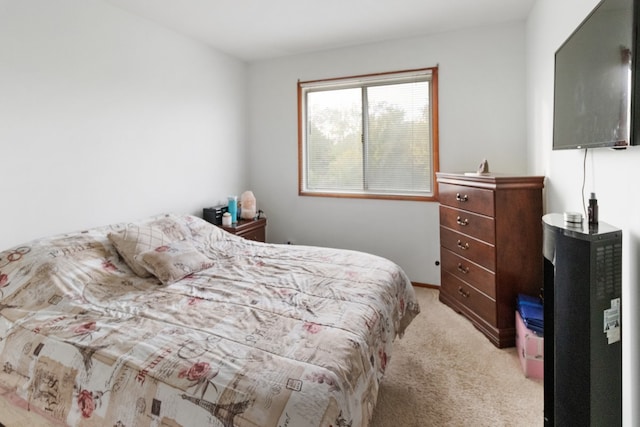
172, 321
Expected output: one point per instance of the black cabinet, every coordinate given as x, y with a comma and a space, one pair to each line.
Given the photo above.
583, 347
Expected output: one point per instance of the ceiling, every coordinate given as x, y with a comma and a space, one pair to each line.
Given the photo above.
253, 30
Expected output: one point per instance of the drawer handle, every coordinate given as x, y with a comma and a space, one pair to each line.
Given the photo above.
461, 198
461, 246
465, 294
462, 269
462, 222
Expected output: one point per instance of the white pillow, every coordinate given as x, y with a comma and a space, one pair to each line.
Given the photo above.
136, 239
173, 261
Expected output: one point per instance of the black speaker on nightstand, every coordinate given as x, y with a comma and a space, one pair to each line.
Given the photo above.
214, 214
583, 336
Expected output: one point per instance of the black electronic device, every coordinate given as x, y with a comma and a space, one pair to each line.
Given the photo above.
582, 323
214, 214
596, 95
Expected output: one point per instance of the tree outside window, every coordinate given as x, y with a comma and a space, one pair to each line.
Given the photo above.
371, 136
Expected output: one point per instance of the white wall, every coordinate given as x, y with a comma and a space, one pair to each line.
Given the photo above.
613, 175
106, 117
482, 115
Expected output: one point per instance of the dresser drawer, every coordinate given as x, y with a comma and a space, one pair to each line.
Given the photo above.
250, 229
477, 276
479, 226
467, 295
257, 234
473, 249
472, 199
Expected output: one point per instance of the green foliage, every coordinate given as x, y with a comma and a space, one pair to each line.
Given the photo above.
396, 145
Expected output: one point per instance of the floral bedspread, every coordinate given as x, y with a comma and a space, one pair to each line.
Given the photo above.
268, 335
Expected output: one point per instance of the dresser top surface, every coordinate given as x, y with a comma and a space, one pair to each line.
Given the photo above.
490, 179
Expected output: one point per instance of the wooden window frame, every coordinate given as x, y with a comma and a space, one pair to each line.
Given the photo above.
434, 126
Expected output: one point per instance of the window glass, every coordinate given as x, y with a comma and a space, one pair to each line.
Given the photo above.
369, 136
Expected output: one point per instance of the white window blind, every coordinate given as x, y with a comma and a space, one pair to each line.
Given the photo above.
368, 135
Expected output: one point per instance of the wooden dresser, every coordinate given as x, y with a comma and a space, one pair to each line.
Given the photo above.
250, 229
490, 247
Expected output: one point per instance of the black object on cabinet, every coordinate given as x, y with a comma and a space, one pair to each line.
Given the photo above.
582, 310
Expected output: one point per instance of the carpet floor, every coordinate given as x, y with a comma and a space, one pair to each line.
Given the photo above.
444, 372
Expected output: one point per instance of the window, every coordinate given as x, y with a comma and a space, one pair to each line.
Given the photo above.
372, 136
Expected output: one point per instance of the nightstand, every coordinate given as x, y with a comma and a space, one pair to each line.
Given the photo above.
251, 229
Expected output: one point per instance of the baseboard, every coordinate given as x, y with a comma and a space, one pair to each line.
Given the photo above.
425, 285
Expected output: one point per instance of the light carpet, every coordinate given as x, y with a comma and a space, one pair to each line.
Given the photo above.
444, 372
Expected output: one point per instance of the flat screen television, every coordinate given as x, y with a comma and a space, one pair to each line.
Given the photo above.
594, 97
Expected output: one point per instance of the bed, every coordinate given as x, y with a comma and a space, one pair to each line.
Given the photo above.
171, 321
